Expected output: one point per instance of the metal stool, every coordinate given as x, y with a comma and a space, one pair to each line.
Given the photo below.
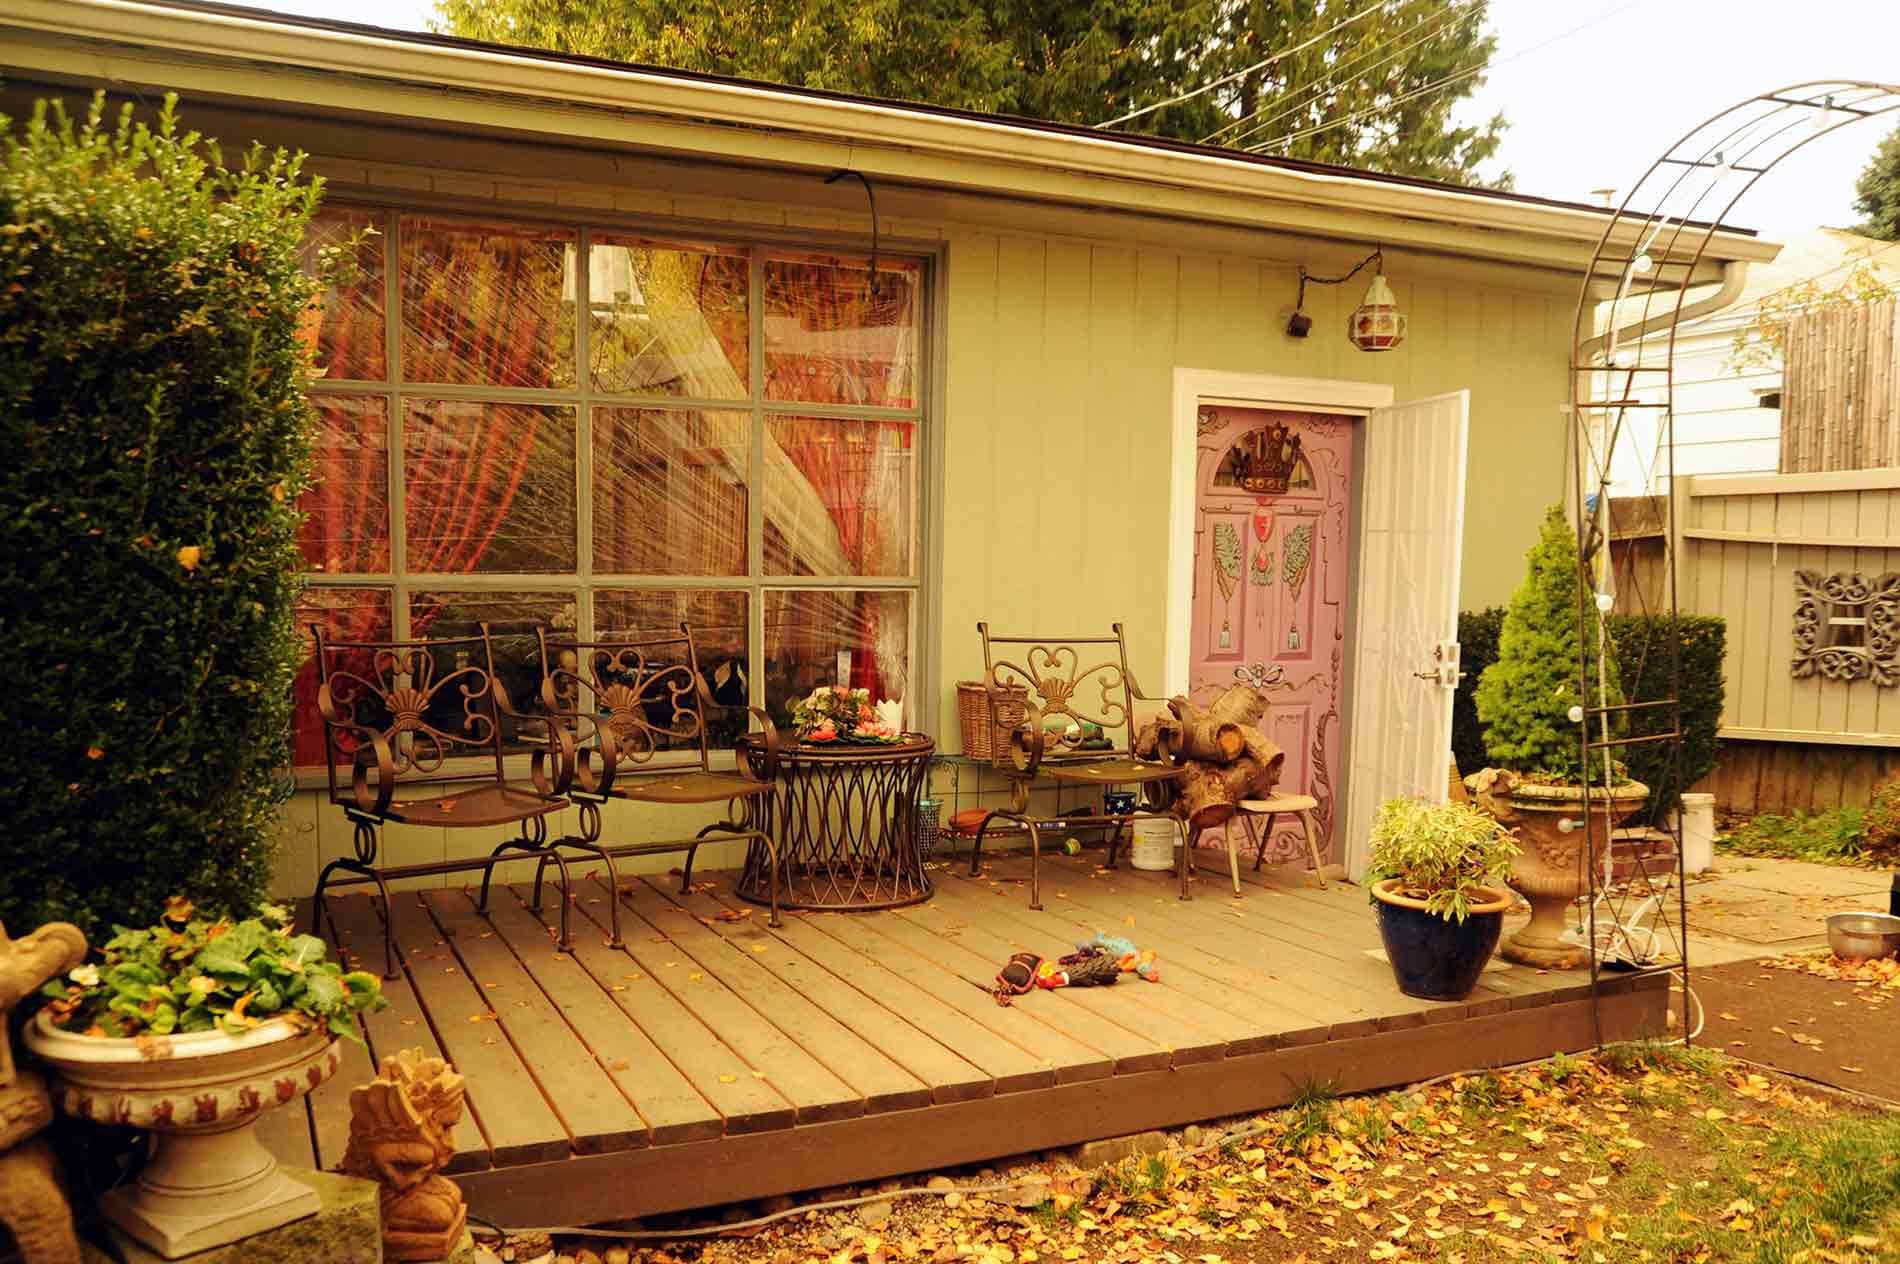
1300, 805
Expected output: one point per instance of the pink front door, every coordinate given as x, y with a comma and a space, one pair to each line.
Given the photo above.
1272, 512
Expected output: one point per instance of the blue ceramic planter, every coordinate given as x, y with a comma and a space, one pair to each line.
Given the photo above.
1433, 958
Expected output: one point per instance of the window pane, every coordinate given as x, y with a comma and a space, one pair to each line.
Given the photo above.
346, 329
839, 496
720, 636
488, 487
512, 618
820, 637
344, 614
487, 304
346, 507
829, 340
667, 320
670, 491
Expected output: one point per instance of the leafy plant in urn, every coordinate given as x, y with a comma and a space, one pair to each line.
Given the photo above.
1536, 786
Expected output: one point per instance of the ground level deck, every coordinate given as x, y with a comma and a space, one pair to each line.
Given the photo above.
714, 1058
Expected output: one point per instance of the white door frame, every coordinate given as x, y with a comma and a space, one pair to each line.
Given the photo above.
1192, 388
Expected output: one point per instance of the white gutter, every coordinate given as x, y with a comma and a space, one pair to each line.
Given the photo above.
996, 156
1734, 281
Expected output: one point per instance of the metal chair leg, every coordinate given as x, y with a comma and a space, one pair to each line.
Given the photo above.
1312, 846
976, 846
1035, 865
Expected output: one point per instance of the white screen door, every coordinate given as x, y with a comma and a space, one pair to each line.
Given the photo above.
1405, 657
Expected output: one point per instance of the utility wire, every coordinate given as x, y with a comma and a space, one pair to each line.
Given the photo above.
1244, 71
1446, 82
1306, 96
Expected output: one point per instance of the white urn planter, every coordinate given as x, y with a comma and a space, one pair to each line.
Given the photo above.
209, 1180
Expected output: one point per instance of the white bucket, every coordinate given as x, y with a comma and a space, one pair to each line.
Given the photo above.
1154, 843
1698, 832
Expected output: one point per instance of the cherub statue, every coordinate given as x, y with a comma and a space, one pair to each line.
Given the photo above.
401, 1135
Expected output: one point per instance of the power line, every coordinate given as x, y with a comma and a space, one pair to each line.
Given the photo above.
1244, 71
1446, 82
1306, 96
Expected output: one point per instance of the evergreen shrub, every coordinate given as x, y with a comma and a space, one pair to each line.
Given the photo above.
1524, 698
153, 414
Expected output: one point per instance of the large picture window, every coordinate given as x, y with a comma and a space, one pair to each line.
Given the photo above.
731, 437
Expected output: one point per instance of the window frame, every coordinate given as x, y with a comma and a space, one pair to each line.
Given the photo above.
395, 391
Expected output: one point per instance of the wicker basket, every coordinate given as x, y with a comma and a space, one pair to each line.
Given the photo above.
981, 738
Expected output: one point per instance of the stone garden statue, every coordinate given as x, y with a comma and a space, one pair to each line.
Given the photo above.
401, 1136
32, 1204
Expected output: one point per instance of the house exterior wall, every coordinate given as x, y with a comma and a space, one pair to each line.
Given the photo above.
1056, 335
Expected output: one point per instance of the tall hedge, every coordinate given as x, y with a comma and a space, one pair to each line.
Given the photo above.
154, 422
1642, 646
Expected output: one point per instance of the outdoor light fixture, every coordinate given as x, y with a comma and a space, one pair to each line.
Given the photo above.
1376, 324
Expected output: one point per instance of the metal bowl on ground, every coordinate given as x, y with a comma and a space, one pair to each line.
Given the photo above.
1863, 935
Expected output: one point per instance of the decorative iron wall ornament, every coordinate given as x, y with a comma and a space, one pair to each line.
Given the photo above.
1847, 626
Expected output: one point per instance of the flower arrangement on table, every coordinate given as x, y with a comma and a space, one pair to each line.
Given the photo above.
833, 713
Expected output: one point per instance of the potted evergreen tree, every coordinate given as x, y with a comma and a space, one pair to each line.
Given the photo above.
1434, 873
1528, 701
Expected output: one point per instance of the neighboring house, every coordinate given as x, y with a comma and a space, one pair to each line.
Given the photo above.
1025, 420
1728, 414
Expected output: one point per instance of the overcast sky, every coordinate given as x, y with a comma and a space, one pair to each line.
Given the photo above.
1594, 90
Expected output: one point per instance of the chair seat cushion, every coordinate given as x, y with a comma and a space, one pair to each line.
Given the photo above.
1280, 803
487, 803
688, 786
1113, 770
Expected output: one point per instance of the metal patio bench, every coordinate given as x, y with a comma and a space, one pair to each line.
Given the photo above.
418, 726
1060, 687
632, 720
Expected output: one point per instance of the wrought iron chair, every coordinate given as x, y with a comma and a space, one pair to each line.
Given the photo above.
1052, 672
632, 717
418, 726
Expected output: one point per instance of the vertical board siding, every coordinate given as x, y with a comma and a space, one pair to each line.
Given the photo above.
1747, 577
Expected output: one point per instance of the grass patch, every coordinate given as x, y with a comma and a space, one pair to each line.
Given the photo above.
1834, 837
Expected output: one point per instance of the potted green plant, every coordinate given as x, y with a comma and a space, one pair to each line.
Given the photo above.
1533, 705
193, 1028
1434, 873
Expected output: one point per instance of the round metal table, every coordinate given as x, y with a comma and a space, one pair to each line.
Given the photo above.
844, 816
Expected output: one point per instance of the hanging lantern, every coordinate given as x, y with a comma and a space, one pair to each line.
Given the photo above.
1377, 324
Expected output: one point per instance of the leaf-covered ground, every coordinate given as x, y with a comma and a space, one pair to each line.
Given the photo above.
1641, 1153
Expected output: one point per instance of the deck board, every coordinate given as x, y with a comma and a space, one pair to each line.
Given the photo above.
879, 1082
356, 927
522, 1126
950, 1077
591, 1106
715, 1058
720, 1074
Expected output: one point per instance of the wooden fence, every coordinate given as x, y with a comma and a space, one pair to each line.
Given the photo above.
1756, 550
1840, 407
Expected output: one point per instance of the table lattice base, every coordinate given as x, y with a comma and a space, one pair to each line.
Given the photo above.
845, 823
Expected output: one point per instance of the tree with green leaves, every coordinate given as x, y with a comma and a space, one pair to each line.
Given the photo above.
1877, 192
1369, 84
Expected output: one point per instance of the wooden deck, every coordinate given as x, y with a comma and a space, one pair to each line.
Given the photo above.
715, 1059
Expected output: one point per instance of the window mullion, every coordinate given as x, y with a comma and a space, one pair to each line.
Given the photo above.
583, 439
755, 501
392, 371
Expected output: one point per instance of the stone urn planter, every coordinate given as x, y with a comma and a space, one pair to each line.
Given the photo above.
1549, 868
209, 1180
